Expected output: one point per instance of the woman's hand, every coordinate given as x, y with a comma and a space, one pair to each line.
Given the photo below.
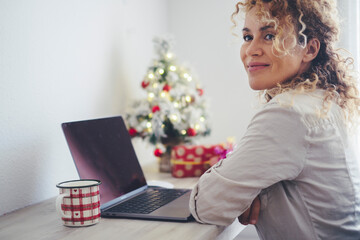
251, 215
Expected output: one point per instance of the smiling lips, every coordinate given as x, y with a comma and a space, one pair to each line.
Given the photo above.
254, 66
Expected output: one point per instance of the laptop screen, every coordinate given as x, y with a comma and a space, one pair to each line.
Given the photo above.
102, 149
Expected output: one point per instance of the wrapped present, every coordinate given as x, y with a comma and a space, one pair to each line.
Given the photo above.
194, 160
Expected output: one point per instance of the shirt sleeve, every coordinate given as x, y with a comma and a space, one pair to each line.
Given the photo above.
273, 149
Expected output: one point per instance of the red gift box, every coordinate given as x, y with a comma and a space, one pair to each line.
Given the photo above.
194, 160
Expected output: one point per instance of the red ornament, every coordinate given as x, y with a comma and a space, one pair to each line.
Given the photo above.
200, 91
166, 88
155, 108
144, 84
191, 132
158, 152
132, 132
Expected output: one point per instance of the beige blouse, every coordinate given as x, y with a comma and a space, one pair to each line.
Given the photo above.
302, 165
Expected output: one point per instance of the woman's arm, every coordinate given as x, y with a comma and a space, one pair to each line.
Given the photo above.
273, 149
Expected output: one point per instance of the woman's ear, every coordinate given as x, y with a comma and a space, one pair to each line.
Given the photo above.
311, 50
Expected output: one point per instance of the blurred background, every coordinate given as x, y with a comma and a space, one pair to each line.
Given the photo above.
74, 59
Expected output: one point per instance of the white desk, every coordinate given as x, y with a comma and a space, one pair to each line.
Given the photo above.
41, 221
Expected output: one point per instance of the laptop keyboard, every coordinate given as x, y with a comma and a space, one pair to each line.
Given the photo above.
149, 201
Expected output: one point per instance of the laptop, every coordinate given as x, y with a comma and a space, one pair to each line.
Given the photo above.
102, 149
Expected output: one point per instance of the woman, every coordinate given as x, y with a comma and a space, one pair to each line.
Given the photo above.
296, 157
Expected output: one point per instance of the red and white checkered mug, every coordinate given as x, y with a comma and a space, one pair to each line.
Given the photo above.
79, 202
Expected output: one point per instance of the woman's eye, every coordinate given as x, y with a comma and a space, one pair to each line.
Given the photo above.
269, 36
247, 38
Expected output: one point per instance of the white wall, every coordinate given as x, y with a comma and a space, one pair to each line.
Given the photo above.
61, 61
350, 28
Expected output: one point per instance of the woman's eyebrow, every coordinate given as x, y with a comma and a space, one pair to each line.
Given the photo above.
262, 29
245, 29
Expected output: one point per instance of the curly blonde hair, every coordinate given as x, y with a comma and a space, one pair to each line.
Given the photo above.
297, 22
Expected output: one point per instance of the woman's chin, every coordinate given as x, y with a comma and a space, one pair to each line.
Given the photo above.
256, 87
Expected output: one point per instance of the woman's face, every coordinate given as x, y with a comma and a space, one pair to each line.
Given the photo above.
264, 68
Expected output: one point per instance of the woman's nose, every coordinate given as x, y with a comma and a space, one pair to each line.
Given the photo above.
254, 49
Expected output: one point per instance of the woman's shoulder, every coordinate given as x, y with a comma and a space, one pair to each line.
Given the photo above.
305, 102
311, 107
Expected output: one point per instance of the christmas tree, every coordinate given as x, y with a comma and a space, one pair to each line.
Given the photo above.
174, 110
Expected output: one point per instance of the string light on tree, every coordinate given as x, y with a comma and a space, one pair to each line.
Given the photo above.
169, 55
161, 71
151, 96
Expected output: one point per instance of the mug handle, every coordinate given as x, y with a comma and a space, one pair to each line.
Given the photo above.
59, 200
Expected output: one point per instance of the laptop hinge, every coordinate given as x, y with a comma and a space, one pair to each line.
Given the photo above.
123, 197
